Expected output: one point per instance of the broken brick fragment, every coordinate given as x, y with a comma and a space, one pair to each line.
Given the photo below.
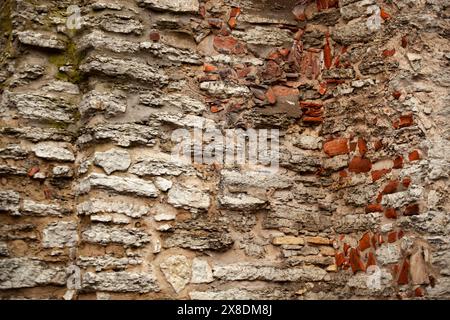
359, 165
414, 155
346, 248
378, 174
343, 174
391, 187
384, 15
377, 145
336, 147
400, 234
406, 121
232, 22
396, 94
388, 53
228, 44
235, 11
316, 120
209, 67
362, 146
364, 242
406, 182
355, 261
33, 171
392, 236
375, 207
214, 109
390, 213
403, 277
418, 292
398, 162
270, 95
371, 260
154, 36
322, 88
411, 210
339, 258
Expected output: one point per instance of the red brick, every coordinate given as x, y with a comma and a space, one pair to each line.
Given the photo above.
406, 182
374, 241
235, 11
418, 292
232, 22
346, 247
336, 147
371, 260
384, 15
364, 242
396, 94
411, 210
214, 109
406, 121
378, 174
391, 187
388, 53
362, 146
392, 236
390, 213
33, 171
322, 88
209, 67
398, 162
414, 155
340, 259
355, 261
379, 197
271, 97
359, 165
403, 277
343, 174
154, 36
376, 207
313, 119
228, 44
400, 234
377, 145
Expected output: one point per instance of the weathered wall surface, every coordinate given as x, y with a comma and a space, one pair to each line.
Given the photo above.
93, 207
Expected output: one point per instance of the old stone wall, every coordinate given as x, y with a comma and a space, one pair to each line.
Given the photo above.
92, 206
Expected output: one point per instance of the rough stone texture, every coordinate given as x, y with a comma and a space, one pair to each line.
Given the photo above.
358, 207
116, 184
28, 273
177, 271
53, 151
120, 282
95, 206
105, 235
113, 160
188, 197
60, 234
